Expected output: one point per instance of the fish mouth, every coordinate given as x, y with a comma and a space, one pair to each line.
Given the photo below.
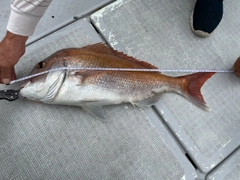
24, 84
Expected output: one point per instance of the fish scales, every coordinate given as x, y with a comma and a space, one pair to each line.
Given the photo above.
124, 83
91, 89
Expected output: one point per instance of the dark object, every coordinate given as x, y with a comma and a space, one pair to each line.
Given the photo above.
206, 16
9, 95
236, 67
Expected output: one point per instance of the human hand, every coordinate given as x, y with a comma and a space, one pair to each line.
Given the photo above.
12, 48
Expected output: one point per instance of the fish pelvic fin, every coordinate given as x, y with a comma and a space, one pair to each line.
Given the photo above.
191, 86
95, 110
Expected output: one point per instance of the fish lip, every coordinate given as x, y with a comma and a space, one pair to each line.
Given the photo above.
20, 95
24, 84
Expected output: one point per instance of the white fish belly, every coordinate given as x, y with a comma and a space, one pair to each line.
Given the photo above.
71, 93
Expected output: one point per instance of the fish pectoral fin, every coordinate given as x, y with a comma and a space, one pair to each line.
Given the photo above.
95, 110
87, 74
149, 101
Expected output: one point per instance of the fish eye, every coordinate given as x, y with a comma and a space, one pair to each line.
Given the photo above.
41, 65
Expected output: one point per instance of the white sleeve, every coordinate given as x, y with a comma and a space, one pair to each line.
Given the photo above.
25, 15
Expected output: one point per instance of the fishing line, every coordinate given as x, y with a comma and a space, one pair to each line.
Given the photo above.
121, 69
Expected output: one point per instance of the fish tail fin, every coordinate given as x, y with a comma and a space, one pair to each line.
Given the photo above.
191, 85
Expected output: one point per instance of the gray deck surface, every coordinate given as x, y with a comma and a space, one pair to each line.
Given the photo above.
158, 32
230, 169
39, 141
57, 15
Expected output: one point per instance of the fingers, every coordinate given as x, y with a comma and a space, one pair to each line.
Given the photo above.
7, 74
12, 47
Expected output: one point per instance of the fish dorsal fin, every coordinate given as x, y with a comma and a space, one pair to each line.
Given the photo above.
104, 49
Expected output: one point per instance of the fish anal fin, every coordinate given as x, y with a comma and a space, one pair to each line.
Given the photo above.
191, 88
104, 49
149, 101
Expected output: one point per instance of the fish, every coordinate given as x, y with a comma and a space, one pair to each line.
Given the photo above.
93, 89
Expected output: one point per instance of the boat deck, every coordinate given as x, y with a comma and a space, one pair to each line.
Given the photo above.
171, 140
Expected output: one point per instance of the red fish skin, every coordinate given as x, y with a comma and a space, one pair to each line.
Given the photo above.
133, 87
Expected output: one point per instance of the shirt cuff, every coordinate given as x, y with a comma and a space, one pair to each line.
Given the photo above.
22, 24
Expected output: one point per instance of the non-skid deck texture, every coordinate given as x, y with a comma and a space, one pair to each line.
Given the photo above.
58, 13
39, 141
158, 32
230, 169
